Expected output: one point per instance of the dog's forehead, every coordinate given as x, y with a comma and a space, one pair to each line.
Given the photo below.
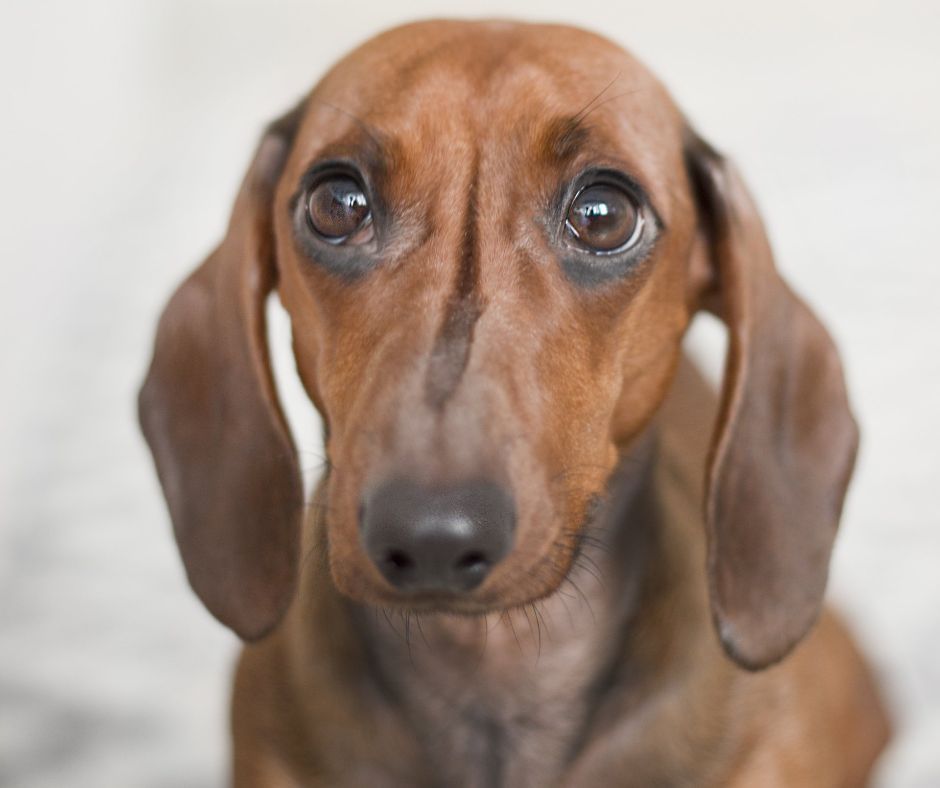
483, 54
426, 85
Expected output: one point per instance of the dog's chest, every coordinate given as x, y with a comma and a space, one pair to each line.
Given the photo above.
497, 703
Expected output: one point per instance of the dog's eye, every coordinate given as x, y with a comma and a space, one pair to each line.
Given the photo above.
338, 211
604, 218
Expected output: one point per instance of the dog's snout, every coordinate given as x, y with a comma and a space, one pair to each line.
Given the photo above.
437, 539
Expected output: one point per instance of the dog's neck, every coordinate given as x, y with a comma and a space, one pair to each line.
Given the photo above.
510, 698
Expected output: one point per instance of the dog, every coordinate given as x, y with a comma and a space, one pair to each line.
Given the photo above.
543, 551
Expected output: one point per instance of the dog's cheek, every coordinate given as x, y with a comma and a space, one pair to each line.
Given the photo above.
336, 516
653, 336
641, 396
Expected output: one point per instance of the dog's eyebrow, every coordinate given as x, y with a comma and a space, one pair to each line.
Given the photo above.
370, 131
372, 153
375, 152
563, 138
366, 145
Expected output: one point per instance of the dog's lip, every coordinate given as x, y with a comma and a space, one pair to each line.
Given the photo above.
437, 602
482, 601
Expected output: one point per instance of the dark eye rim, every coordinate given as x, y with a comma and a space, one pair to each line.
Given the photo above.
617, 180
317, 177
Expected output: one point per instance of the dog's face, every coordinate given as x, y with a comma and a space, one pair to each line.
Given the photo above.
483, 238
490, 239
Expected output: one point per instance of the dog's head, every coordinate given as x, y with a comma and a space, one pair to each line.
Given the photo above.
490, 239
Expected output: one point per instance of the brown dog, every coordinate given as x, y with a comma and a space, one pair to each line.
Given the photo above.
490, 239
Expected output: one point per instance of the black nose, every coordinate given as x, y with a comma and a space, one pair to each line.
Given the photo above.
443, 539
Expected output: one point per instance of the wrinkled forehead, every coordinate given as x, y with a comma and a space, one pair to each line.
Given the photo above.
442, 89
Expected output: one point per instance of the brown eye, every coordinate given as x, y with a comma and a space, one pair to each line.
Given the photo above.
338, 211
604, 218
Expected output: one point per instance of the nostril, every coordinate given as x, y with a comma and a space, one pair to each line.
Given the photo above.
398, 560
470, 569
472, 560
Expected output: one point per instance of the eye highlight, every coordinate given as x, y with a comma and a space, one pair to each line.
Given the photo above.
604, 218
338, 211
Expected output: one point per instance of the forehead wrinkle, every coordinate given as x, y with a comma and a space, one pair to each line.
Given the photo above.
468, 77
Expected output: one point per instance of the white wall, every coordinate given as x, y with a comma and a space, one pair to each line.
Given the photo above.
126, 126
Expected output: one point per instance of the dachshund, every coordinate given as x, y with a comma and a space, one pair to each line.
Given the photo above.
543, 551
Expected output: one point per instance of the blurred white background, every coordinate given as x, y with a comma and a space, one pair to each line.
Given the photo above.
126, 127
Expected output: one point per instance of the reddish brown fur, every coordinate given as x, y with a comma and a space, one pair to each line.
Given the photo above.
589, 658
577, 349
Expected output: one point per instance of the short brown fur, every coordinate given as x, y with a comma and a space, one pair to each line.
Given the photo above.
671, 546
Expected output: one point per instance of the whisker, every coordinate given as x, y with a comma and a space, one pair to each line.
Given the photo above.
583, 597
407, 623
369, 131
589, 565
512, 627
607, 101
486, 639
388, 620
421, 631
540, 621
582, 114
563, 596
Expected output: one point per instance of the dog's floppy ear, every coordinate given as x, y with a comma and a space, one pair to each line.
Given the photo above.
210, 414
785, 441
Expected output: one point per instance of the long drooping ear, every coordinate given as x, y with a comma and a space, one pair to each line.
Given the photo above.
785, 441
210, 414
